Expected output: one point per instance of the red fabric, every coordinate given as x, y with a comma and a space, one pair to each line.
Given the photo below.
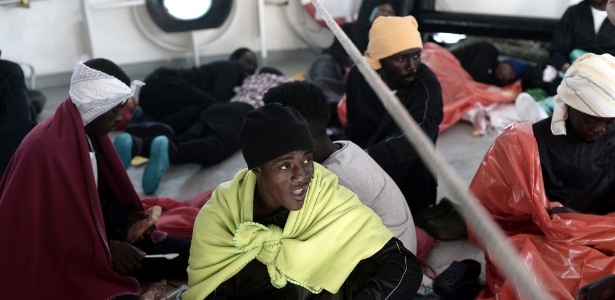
564, 251
127, 111
177, 217
51, 225
341, 111
424, 243
459, 91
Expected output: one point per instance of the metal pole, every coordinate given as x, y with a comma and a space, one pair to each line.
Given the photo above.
261, 30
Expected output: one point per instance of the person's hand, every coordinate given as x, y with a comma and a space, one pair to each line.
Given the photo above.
562, 209
601, 289
136, 215
125, 257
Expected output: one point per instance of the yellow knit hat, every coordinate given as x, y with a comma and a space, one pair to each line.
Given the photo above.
587, 87
390, 35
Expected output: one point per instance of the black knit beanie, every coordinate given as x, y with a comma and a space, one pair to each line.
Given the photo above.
272, 131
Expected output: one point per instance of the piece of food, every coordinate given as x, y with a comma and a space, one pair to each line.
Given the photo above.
136, 231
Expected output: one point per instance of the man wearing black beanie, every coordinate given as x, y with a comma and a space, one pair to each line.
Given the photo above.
284, 229
271, 132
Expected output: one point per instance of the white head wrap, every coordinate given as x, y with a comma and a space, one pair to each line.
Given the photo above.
589, 87
95, 93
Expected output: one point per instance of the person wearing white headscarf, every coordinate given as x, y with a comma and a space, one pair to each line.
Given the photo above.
577, 145
66, 203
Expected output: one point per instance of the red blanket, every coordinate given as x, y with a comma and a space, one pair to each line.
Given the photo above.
177, 217
53, 237
564, 251
459, 91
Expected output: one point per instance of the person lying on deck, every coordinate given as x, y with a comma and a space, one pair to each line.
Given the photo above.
482, 62
211, 139
284, 229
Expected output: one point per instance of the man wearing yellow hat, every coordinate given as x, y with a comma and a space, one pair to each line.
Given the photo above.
394, 51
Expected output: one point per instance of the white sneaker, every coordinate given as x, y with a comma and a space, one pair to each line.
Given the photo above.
528, 109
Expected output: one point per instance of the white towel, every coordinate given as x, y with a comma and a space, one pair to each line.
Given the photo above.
589, 87
95, 93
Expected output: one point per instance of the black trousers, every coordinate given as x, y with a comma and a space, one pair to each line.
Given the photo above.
213, 137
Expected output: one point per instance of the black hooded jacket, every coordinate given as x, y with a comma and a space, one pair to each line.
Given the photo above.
578, 174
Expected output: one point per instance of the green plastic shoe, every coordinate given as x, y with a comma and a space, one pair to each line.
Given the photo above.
442, 208
448, 227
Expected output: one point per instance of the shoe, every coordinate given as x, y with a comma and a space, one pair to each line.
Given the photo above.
448, 227
442, 208
150, 129
157, 165
123, 146
459, 281
528, 109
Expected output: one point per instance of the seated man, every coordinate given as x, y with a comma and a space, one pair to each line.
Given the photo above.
394, 51
348, 161
550, 185
16, 114
583, 28
67, 206
284, 229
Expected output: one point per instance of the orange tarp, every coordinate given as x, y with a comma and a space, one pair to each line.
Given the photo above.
564, 251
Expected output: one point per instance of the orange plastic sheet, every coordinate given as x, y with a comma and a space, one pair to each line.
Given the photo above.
459, 91
563, 251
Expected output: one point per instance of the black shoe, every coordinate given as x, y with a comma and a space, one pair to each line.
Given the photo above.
150, 129
459, 281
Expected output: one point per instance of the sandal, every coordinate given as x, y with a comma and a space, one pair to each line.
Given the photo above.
459, 281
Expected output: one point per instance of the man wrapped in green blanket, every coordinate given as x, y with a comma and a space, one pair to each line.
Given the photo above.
284, 229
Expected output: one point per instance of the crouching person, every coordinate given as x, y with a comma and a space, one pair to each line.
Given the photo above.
284, 229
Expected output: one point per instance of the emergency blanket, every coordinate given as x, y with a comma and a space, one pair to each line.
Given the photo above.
563, 251
460, 92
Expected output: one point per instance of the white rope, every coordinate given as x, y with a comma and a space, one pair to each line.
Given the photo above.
488, 232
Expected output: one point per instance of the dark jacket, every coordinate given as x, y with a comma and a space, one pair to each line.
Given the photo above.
168, 91
391, 273
480, 60
578, 174
371, 127
576, 31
